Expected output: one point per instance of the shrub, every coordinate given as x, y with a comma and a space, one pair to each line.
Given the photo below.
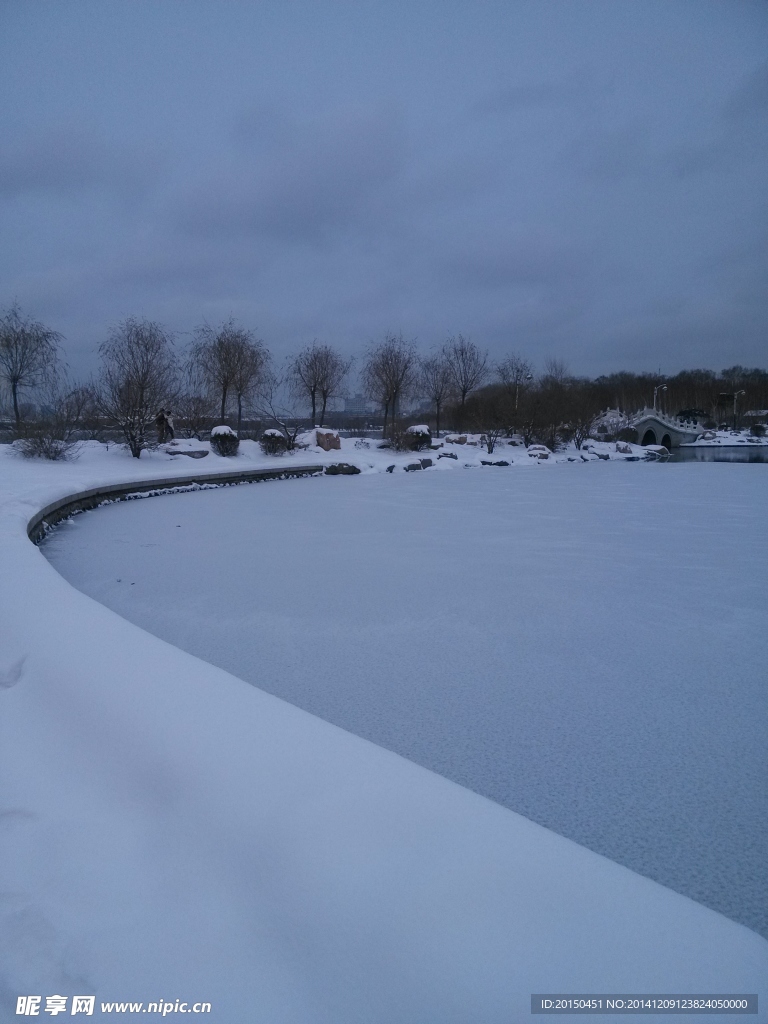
757, 430
54, 435
628, 434
41, 442
224, 441
414, 439
273, 442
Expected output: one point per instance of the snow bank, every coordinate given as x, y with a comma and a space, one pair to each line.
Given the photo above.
170, 832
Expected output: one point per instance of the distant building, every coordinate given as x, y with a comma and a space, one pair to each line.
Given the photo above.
358, 406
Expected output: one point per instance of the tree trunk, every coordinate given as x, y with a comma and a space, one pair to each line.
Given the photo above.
322, 414
314, 409
223, 403
386, 412
394, 416
239, 412
437, 420
14, 386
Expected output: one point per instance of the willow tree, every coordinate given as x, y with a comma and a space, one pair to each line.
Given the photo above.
29, 353
138, 377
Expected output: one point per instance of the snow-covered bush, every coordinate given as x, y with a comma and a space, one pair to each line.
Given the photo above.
224, 441
414, 439
273, 442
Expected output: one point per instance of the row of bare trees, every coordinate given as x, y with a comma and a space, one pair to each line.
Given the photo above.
228, 367
394, 372
142, 373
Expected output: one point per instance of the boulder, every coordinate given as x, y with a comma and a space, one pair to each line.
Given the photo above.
623, 448
196, 454
412, 467
328, 440
341, 468
457, 440
391, 469
425, 463
448, 455
500, 462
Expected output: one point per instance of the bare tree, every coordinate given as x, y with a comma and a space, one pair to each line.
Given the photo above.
138, 377
318, 372
221, 353
553, 391
390, 374
64, 408
468, 368
271, 407
194, 404
251, 365
28, 353
489, 411
515, 374
435, 383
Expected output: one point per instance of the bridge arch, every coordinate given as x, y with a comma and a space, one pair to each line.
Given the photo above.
667, 441
649, 437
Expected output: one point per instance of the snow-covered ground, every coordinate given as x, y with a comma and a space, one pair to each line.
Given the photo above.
172, 832
726, 438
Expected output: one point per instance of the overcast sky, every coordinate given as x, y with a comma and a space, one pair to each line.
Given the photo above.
575, 179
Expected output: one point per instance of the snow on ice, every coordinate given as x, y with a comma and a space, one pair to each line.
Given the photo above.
169, 830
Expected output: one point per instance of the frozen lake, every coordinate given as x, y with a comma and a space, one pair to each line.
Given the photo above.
584, 644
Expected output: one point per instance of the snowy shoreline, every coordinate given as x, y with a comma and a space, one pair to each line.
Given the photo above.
171, 830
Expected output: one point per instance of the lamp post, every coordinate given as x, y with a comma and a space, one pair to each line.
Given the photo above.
528, 378
736, 395
659, 387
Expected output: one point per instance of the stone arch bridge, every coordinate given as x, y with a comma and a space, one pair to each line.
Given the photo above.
654, 427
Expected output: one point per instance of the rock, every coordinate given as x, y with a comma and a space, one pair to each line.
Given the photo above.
341, 468
384, 444
197, 454
328, 440
391, 469
457, 440
425, 463
412, 467
603, 455
501, 462
623, 448
448, 455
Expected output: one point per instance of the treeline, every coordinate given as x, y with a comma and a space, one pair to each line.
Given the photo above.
228, 376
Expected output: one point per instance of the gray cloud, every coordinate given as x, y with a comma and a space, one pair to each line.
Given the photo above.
317, 179
70, 161
584, 182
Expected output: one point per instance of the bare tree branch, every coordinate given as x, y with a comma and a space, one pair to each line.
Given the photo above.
138, 377
468, 368
29, 353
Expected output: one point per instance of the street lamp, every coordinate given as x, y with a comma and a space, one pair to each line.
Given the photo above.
528, 377
659, 387
736, 395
